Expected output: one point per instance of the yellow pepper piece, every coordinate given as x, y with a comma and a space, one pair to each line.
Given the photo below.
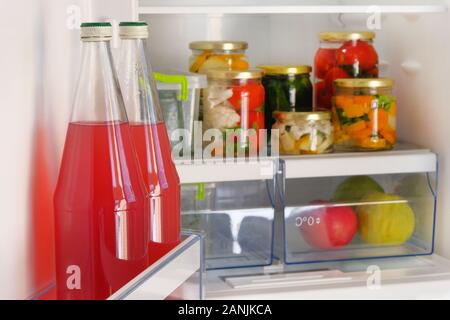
361, 135
393, 109
239, 65
373, 143
389, 135
355, 127
201, 59
356, 110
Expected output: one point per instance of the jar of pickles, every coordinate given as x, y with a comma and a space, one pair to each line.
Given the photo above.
342, 55
364, 114
234, 100
303, 132
207, 55
288, 88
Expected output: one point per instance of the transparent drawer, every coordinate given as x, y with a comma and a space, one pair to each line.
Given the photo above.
176, 276
356, 217
236, 219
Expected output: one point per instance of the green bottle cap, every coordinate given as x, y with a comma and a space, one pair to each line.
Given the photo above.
95, 24
96, 31
133, 24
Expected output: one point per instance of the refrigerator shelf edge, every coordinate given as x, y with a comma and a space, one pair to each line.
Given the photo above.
219, 171
402, 160
287, 7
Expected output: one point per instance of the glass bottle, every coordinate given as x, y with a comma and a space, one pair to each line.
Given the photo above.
101, 225
150, 137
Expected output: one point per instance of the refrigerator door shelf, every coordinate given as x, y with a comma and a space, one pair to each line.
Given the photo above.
406, 278
176, 276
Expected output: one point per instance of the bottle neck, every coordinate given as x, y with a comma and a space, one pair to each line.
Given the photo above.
137, 83
98, 97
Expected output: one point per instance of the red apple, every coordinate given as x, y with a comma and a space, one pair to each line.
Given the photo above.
328, 226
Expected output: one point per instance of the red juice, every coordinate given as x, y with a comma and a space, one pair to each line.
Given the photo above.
101, 212
161, 177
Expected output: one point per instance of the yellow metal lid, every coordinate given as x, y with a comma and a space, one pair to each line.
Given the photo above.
364, 83
314, 116
286, 69
218, 45
232, 75
344, 36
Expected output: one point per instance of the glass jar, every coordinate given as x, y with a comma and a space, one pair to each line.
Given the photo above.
234, 101
364, 114
342, 55
207, 55
304, 132
288, 88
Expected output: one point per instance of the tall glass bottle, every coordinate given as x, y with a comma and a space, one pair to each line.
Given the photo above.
150, 137
101, 215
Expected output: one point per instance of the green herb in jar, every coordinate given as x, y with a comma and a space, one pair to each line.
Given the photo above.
288, 88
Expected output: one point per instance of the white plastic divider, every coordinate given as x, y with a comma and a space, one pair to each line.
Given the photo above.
221, 171
173, 270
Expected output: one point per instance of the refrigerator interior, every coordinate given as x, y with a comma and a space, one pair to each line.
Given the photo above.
41, 61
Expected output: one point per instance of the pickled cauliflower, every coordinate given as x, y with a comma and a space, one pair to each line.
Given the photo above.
298, 136
218, 112
221, 117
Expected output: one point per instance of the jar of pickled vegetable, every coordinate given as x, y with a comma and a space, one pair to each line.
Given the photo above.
288, 88
342, 55
207, 55
364, 114
234, 101
304, 132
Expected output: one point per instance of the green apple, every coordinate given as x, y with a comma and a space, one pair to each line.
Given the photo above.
354, 188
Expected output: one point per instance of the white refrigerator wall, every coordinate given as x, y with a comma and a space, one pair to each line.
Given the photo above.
40, 56
418, 51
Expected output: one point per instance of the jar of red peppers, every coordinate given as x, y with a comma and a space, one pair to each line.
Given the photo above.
364, 114
234, 104
342, 55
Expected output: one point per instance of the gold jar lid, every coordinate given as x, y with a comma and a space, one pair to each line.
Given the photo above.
308, 116
345, 36
223, 74
218, 45
286, 69
364, 83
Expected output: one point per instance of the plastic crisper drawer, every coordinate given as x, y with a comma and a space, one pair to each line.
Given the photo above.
357, 217
236, 219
